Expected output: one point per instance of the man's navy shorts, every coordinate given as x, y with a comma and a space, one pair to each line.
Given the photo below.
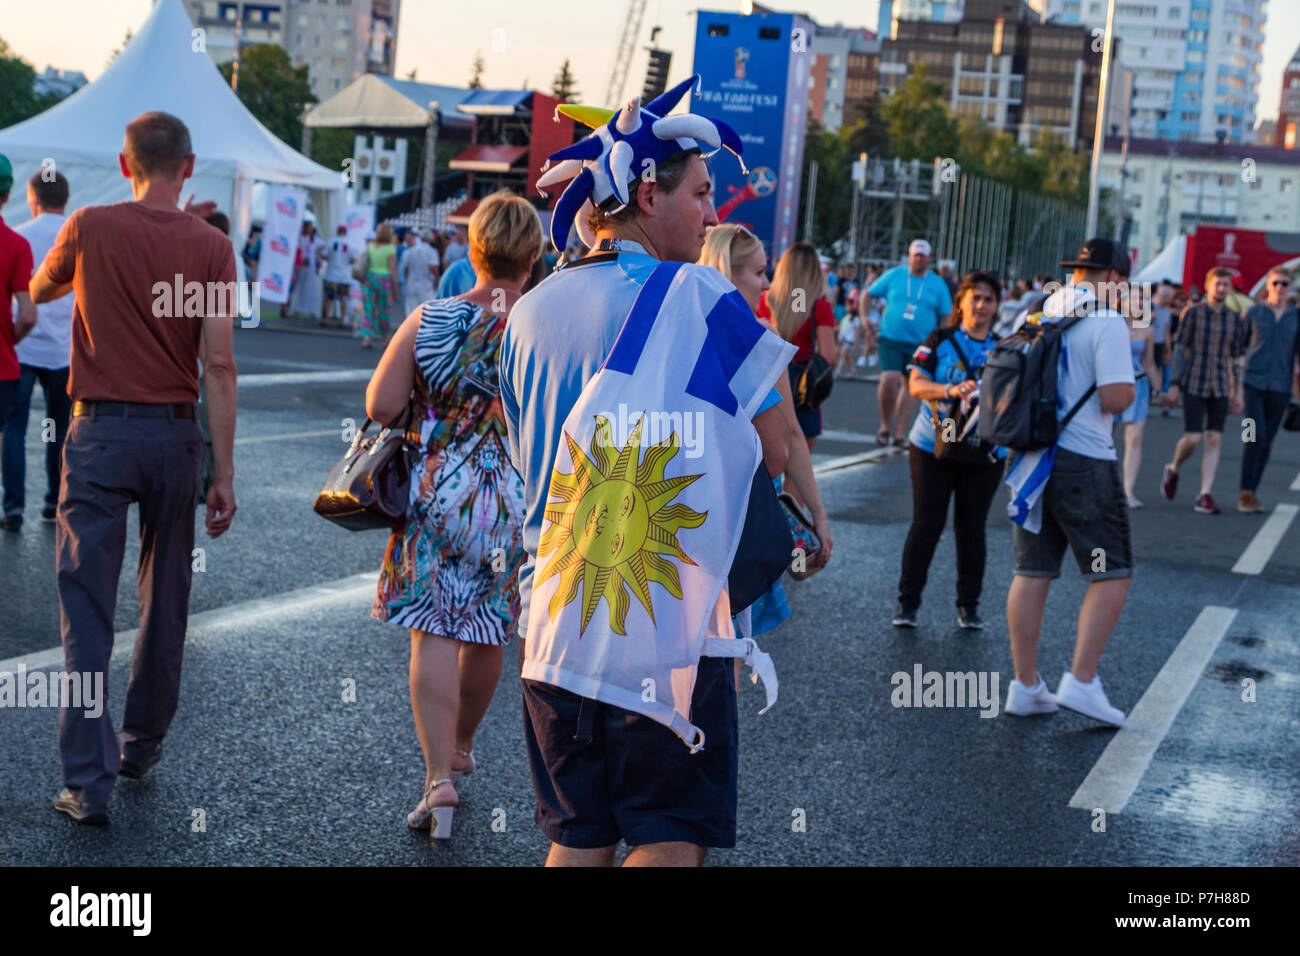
602, 773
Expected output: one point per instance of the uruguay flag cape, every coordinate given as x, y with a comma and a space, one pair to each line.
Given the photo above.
647, 500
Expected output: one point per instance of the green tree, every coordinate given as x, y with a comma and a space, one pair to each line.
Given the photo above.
18, 99
564, 86
476, 76
274, 90
920, 124
832, 203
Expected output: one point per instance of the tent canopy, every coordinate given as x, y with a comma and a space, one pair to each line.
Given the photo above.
1167, 265
374, 101
162, 70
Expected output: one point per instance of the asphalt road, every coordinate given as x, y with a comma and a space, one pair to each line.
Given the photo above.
279, 768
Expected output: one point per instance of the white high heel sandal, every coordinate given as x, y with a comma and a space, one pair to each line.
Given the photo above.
433, 818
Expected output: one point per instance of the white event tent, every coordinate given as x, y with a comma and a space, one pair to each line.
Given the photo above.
1167, 265
164, 68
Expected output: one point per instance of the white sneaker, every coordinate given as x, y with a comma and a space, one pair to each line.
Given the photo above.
862, 361
1025, 701
1088, 699
873, 360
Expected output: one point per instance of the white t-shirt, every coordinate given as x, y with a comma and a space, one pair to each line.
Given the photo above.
338, 260
49, 343
1094, 350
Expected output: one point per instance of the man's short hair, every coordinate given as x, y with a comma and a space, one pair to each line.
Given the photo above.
1218, 272
51, 193
220, 221
157, 144
668, 174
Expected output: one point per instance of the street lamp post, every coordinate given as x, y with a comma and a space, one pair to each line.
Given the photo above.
1099, 135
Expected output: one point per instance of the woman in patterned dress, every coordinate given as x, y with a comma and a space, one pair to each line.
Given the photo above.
380, 287
450, 574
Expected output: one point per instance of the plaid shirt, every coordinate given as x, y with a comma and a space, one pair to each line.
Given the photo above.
1208, 339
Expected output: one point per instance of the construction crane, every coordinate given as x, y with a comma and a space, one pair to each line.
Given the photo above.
626, 50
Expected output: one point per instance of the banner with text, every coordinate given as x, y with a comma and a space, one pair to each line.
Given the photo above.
284, 213
754, 72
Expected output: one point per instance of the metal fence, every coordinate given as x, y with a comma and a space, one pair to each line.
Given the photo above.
971, 220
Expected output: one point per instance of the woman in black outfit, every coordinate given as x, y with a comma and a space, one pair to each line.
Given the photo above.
944, 374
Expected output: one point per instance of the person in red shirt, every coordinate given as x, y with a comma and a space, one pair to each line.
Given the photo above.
15, 272
797, 301
134, 437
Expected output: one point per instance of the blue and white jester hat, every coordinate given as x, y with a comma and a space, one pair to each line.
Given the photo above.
604, 165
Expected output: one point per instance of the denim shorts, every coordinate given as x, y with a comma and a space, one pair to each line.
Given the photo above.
602, 773
1084, 509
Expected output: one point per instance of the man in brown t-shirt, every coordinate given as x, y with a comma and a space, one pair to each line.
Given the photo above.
155, 293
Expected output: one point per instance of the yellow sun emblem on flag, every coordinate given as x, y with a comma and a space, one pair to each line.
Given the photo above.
613, 528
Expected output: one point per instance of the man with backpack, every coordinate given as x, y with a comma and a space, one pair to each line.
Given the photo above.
1049, 393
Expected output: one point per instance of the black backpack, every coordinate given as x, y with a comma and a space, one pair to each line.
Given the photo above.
1018, 389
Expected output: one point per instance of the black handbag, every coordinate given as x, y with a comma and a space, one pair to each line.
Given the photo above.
765, 547
370, 485
811, 381
1291, 417
966, 448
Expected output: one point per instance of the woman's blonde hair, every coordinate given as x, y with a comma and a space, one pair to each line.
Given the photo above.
727, 244
797, 284
384, 234
505, 236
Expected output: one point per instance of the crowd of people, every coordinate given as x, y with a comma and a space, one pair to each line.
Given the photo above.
529, 508
366, 287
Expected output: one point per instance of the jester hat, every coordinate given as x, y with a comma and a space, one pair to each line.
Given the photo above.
605, 164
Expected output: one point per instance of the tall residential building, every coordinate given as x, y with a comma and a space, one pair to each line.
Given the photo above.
1001, 63
1288, 108
1195, 63
1170, 187
935, 11
338, 40
840, 62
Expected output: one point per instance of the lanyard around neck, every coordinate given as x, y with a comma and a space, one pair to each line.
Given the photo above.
621, 245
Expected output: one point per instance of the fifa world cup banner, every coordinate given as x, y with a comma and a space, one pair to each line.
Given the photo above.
647, 501
754, 73
284, 213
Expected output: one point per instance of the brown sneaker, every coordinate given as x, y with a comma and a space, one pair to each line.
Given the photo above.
1247, 503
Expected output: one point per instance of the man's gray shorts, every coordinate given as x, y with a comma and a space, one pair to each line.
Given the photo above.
1084, 508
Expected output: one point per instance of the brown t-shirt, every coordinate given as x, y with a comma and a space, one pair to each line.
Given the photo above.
135, 334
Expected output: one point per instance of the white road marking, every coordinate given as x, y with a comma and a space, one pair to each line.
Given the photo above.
851, 461
1120, 767
834, 434
1266, 540
1295, 485
245, 612
305, 378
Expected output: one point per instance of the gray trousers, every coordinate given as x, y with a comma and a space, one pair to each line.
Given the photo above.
109, 462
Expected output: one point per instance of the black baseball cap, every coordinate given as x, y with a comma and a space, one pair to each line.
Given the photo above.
1099, 253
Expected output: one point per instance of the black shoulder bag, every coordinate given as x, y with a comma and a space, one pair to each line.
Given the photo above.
811, 381
965, 446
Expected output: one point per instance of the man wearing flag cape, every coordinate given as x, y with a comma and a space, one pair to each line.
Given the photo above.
638, 391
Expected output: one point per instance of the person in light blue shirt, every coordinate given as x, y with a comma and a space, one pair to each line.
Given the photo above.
944, 372
915, 298
457, 280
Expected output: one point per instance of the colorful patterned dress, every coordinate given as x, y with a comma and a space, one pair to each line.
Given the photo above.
453, 569
377, 318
